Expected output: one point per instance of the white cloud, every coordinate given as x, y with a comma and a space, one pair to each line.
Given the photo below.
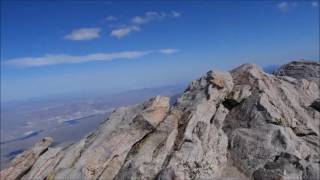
83, 34
148, 17
287, 6
124, 31
139, 20
283, 6
55, 59
175, 14
69, 59
136, 22
315, 4
168, 51
111, 18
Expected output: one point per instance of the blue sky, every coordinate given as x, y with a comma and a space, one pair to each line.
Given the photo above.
50, 48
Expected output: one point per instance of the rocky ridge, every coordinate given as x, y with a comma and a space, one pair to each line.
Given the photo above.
242, 124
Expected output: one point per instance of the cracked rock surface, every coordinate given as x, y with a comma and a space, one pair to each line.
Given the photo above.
242, 124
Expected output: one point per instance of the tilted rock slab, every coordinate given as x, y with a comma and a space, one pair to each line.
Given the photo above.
242, 124
25, 161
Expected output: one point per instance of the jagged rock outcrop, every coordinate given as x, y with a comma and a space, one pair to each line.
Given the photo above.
308, 70
242, 124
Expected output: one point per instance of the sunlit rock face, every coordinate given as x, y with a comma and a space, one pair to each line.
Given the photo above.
242, 124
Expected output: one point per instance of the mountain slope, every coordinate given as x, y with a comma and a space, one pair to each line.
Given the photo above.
240, 124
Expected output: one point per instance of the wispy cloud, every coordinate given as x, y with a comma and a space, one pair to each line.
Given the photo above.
68, 59
55, 59
137, 21
168, 51
111, 18
285, 6
148, 17
83, 34
175, 14
124, 31
315, 4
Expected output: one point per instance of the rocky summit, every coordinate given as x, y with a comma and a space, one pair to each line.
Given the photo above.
242, 124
